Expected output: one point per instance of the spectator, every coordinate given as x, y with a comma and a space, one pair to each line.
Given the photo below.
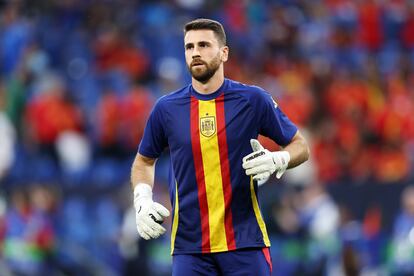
134, 112
7, 138
319, 216
49, 114
402, 260
29, 237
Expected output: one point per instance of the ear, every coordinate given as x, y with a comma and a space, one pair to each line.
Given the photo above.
224, 53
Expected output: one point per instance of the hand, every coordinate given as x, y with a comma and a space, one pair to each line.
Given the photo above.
149, 214
262, 163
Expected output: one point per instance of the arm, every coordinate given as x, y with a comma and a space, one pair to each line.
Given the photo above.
149, 214
273, 123
143, 170
298, 150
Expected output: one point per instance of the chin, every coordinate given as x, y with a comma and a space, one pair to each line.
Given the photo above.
201, 79
199, 75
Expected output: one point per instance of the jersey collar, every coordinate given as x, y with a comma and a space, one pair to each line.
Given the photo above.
206, 97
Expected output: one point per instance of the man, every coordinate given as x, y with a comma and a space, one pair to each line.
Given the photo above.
209, 126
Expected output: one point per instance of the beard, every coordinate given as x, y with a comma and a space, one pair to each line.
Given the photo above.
204, 74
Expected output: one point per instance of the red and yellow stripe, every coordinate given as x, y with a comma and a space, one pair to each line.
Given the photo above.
199, 173
212, 175
225, 172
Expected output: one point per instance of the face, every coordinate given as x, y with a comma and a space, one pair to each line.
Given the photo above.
203, 54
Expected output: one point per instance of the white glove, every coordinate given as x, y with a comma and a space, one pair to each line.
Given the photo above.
149, 214
262, 163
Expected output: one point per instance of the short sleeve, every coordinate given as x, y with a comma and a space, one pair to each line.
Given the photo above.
154, 140
273, 122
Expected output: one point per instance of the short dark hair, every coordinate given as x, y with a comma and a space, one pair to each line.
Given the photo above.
207, 24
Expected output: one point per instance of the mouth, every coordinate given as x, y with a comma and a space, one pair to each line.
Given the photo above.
196, 63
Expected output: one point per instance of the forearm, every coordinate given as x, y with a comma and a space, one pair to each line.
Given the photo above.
142, 170
298, 150
149, 214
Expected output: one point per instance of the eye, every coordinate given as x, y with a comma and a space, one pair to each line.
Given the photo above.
203, 44
189, 46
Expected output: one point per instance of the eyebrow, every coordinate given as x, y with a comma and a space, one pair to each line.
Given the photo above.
200, 42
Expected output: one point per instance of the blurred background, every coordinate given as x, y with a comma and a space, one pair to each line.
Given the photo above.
79, 78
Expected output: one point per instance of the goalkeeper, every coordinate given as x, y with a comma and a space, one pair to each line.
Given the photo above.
210, 127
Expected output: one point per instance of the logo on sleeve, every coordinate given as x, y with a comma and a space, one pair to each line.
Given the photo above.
208, 126
274, 102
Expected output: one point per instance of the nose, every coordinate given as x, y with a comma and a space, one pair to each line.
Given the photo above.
196, 52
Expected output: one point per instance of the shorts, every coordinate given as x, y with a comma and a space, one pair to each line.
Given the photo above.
247, 261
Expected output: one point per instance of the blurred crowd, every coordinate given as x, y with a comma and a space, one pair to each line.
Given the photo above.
79, 78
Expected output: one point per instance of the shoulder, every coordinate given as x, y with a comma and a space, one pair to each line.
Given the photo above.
177, 95
252, 93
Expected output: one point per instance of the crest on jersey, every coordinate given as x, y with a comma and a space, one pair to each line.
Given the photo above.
208, 126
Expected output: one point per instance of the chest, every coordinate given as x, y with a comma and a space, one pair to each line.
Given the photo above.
231, 118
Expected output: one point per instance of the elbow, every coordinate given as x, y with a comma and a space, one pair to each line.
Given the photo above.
300, 150
307, 152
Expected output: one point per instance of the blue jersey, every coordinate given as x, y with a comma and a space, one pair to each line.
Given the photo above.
215, 205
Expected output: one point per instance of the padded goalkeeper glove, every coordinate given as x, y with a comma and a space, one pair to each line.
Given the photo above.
262, 163
149, 214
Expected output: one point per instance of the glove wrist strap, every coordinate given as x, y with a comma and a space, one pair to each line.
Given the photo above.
142, 190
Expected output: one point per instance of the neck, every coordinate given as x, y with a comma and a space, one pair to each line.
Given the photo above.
211, 85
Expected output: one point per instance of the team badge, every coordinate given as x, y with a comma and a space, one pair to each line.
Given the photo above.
208, 126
